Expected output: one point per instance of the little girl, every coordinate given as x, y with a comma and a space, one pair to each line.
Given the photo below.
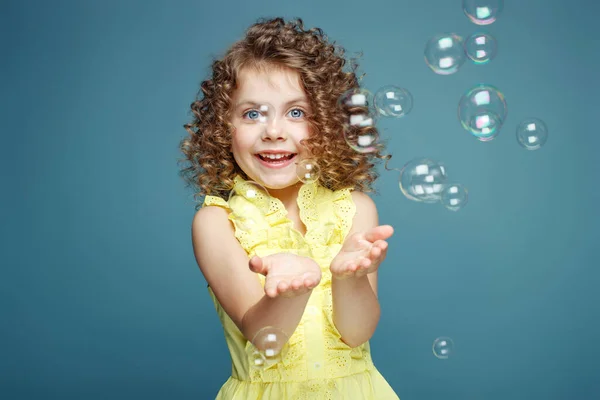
307, 265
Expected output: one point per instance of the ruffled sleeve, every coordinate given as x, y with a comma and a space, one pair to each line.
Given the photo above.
215, 201
344, 210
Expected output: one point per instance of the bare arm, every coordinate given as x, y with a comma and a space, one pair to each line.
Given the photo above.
356, 309
225, 265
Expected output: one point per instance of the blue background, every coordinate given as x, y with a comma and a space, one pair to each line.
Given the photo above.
100, 295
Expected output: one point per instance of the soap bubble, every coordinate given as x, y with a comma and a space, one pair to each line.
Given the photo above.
260, 113
481, 48
249, 201
359, 122
308, 170
444, 53
482, 12
532, 133
268, 347
423, 180
454, 197
393, 101
443, 347
482, 111
362, 142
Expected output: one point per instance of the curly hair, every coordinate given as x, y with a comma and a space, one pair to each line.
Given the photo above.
276, 43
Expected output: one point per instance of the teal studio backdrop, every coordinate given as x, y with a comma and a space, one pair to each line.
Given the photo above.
100, 295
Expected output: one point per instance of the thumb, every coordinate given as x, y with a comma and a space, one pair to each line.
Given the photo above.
256, 265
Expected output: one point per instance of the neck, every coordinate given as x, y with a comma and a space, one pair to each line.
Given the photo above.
288, 196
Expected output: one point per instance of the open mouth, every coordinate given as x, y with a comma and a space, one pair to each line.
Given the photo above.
276, 160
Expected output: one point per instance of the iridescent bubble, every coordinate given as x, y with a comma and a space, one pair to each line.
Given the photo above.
248, 201
454, 196
423, 180
532, 133
444, 53
360, 133
308, 170
481, 47
268, 347
393, 101
482, 111
482, 12
443, 347
362, 142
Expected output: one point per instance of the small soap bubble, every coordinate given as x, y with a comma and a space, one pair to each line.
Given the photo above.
268, 347
532, 133
443, 347
423, 180
308, 170
259, 113
481, 48
357, 105
356, 97
482, 111
444, 53
454, 197
482, 12
247, 201
362, 142
393, 101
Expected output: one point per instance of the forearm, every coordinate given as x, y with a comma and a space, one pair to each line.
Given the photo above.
280, 312
356, 309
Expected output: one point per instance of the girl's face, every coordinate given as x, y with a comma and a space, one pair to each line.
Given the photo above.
269, 115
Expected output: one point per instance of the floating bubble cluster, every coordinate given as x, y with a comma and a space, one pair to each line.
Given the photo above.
359, 124
268, 347
482, 111
423, 180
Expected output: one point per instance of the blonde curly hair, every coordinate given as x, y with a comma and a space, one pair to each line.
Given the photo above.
210, 166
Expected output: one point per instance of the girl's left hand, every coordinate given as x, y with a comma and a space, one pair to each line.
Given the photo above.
361, 253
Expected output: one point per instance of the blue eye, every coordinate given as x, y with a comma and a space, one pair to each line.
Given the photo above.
252, 114
297, 113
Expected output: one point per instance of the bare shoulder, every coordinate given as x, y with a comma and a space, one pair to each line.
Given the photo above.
224, 262
365, 206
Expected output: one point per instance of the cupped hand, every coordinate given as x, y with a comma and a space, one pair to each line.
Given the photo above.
287, 274
361, 253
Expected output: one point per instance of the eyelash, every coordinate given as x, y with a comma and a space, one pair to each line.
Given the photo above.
245, 114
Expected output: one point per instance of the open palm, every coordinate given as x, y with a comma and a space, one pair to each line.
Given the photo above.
287, 274
362, 253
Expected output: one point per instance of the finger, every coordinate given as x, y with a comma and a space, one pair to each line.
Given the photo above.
375, 252
256, 265
379, 232
271, 292
382, 244
282, 287
296, 283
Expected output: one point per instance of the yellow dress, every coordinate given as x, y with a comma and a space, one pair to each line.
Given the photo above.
316, 363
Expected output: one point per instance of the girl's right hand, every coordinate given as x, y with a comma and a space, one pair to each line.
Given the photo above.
287, 274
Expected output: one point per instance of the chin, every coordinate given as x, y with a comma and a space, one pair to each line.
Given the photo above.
276, 182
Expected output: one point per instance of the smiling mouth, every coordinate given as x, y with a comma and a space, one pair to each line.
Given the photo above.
274, 160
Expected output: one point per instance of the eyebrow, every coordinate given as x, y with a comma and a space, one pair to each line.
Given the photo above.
253, 102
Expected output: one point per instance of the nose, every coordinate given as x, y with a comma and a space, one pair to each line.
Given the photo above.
274, 130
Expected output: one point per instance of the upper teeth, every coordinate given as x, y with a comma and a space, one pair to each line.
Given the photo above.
274, 156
